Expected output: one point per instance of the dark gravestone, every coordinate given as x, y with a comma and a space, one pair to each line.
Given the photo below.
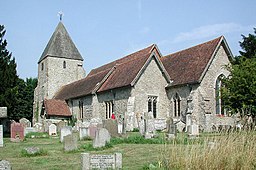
17, 132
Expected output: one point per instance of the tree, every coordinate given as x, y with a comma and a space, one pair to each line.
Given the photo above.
24, 99
8, 76
239, 90
248, 45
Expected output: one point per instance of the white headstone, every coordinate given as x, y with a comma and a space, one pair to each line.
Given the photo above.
1, 136
193, 130
52, 130
5, 165
83, 132
129, 119
38, 127
64, 132
101, 138
25, 122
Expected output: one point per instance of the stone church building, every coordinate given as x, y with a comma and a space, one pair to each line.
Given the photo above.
184, 85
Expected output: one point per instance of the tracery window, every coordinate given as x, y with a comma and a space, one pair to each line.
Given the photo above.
81, 109
176, 105
109, 109
219, 104
152, 101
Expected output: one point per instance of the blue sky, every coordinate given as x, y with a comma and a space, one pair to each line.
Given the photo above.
107, 30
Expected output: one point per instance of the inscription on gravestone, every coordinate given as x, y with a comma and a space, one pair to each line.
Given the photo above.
113, 161
102, 161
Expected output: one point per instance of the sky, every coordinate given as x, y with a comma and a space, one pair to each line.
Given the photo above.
105, 30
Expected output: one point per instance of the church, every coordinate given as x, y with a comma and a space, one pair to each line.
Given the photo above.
181, 85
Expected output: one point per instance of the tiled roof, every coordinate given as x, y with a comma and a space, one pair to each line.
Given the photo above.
187, 66
56, 108
118, 73
61, 45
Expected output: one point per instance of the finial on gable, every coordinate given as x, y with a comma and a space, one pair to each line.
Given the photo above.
60, 14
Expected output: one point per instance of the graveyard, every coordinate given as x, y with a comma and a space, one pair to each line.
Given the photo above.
225, 150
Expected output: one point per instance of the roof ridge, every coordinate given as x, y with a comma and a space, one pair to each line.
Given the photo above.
220, 37
126, 56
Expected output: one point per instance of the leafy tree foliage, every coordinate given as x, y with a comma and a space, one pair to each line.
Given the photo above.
24, 98
239, 90
248, 45
8, 76
15, 93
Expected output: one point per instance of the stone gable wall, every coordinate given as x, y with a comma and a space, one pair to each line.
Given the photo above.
205, 93
151, 83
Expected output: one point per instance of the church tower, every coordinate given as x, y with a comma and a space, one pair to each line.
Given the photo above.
60, 64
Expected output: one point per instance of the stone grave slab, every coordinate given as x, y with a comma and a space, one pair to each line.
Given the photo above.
38, 127
83, 132
92, 130
112, 127
1, 136
60, 125
67, 130
17, 132
172, 131
52, 130
99, 161
25, 122
193, 130
70, 142
3, 112
101, 138
160, 124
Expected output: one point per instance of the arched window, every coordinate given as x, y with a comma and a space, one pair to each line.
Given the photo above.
81, 109
219, 106
64, 64
152, 101
176, 105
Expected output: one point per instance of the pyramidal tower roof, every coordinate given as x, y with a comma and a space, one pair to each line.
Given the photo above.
61, 45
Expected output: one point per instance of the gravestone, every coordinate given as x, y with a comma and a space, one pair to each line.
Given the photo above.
60, 125
112, 127
67, 130
160, 124
149, 125
92, 130
29, 130
101, 138
1, 136
32, 150
181, 126
188, 121
52, 130
93, 161
172, 132
141, 124
17, 132
193, 130
38, 127
3, 112
5, 165
70, 142
46, 124
83, 132
25, 122
129, 119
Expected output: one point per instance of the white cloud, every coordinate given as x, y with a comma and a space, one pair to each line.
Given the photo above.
210, 31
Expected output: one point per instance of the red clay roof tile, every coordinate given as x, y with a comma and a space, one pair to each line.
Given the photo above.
187, 66
56, 108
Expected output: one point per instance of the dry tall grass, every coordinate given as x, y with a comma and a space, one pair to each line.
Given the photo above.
226, 151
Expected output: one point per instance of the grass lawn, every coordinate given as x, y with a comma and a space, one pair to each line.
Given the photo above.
230, 151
